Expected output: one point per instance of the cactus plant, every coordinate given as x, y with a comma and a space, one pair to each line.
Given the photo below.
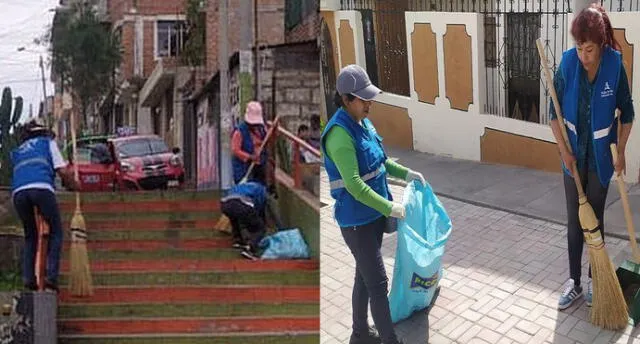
8, 133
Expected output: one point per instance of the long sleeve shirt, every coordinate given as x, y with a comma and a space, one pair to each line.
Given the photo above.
341, 150
585, 154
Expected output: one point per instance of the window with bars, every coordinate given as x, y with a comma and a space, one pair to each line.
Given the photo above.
170, 37
490, 57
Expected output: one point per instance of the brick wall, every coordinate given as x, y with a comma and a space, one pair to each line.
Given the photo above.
118, 8
127, 40
308, 29
146, 8
148, 53
270, 28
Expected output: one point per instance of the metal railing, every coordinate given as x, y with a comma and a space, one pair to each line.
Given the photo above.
510, 60
297, 169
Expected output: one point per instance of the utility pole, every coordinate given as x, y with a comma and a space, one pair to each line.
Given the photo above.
226, 119
45, 107
256, 66
246, 60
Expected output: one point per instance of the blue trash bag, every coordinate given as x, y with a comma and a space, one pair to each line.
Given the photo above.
285, 244
422, 236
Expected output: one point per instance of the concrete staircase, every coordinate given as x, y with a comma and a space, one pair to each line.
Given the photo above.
162, 274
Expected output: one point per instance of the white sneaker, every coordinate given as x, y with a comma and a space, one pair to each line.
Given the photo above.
569, 295
588, 297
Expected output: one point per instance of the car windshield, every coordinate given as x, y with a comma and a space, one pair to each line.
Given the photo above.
92, 153
142, 147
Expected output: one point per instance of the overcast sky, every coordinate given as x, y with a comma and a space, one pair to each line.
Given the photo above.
22, 21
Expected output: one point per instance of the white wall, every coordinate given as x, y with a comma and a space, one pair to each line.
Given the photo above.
438, 129
631, 22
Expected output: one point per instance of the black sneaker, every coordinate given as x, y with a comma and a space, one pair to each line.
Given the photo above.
249, 255
370, 337
31, 286
50, 287
241, 246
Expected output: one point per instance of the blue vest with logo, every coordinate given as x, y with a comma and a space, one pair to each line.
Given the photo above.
253, 190
371, 157
603, 105
32, 163
240, 167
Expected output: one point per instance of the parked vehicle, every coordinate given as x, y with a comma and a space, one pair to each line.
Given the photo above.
145, 162
137, 162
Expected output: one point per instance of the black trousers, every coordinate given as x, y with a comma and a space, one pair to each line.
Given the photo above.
597, 197
244, 216
371, 282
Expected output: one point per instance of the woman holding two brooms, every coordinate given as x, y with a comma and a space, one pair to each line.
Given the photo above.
590, 84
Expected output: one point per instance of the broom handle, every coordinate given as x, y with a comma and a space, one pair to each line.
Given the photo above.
75, 155
556, 104
40, 255
262, 145
625, 206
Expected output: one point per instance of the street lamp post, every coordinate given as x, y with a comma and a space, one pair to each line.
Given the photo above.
45, 106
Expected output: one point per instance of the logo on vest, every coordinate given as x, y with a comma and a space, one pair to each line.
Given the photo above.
27, 146
422, 282
607, 92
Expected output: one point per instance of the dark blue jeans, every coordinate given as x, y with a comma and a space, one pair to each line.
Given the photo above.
243, 216
597, 196
45, 200
371, 281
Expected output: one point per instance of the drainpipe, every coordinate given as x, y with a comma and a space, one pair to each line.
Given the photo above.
226, 118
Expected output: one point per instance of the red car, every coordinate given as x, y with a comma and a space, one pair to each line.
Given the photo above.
138, 162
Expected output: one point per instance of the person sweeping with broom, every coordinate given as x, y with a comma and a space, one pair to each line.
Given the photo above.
245, 140
590, 83
35, 164
357, 168
246, 205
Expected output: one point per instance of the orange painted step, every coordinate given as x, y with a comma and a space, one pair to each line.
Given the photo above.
145, 224
188, 325
223, 294
152, 245
143, 206
200, 265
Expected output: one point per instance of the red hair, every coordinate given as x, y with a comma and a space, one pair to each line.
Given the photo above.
593, 24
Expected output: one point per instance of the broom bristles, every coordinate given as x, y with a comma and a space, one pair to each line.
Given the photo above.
224, 224
609, 308
80, 283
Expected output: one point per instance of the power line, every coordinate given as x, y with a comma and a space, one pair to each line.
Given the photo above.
18, 81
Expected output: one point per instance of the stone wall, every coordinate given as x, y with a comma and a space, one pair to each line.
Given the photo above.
297, 84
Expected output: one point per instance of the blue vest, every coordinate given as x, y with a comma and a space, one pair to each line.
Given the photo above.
32, 163
253, 190
371, 157
603, 105
240, 167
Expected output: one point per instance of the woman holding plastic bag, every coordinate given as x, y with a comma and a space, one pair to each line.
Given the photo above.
357, 167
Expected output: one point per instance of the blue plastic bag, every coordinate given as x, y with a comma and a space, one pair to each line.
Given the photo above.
422, 235
285, 244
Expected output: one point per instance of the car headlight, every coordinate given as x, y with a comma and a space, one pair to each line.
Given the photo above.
175, 161
126, 167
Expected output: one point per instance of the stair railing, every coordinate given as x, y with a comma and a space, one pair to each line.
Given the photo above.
297, 170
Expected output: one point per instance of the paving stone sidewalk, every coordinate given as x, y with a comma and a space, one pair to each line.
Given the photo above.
502, 280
